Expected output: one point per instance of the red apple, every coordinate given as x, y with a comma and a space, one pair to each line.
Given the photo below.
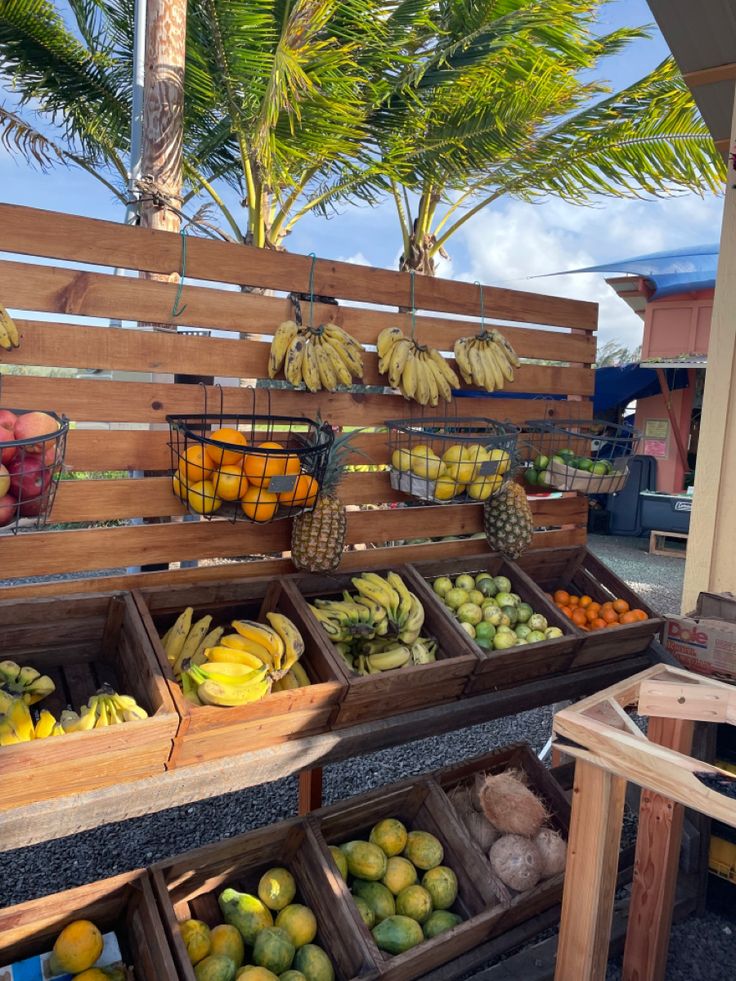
8, 419
8, 505
29, 482
6, 452
35, 424
4, 480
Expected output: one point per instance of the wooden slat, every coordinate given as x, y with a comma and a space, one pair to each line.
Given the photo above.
39, 233
54, 289
99, 548
373, 558
106, 348
92, 400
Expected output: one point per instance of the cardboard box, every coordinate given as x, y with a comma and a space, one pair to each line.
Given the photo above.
705, 640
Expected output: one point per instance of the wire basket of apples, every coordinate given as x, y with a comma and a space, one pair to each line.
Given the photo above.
32, 448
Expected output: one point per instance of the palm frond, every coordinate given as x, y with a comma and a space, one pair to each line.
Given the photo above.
19, 135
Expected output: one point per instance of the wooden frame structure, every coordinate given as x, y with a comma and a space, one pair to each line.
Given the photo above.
610, 750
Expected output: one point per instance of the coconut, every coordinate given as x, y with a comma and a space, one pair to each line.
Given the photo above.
482, 833
476, 789
460, 799
553, 850
510, 806
516, 861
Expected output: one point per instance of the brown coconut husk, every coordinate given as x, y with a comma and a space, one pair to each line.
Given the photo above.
481, 830
517, 862
553, 850
511, 806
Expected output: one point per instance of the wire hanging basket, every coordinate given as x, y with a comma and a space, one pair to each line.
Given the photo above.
248, 467
30, 470
463, 460
588, 456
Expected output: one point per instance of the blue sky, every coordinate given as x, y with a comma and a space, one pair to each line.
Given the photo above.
505, 245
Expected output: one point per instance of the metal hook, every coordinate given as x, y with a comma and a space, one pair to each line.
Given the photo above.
313, 257
412, 274
176, 310
482, 306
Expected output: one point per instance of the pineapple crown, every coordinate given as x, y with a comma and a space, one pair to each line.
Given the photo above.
342, 448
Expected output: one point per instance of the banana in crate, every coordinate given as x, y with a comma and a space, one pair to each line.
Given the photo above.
315, 357
378, 628
230, 669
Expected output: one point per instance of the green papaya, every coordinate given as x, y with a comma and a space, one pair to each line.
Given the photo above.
365, 860
245, 912
396, 934
378, 897
440, 921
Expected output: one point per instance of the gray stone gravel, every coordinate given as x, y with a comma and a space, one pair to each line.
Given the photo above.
700, 949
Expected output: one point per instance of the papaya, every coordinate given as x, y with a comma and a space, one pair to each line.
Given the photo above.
340, 861
396, 934
93, 974
440, 921
390, 836
196, 937
400, 873
416, 902
277, 888
366, 913
226, 940
299, 922
252, 973
77, 947
292, 976
441, 884
314, 963
245, 912
377, 896
215, 967
365, 861
423, 850
274, 950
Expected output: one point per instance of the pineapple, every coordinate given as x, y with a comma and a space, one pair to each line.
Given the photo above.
318, 536
508, 521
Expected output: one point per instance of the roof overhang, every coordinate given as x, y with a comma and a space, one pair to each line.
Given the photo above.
632, 290
702, 39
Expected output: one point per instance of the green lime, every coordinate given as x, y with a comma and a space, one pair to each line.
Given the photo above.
541, 462
531, 476
600, 469
585, 463
566, 453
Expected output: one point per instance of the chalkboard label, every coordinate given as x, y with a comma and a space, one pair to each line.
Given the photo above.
282, 484
488, 468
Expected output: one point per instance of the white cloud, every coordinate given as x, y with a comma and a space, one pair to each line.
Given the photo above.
506, 246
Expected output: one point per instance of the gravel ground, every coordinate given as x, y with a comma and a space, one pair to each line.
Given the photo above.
62, 864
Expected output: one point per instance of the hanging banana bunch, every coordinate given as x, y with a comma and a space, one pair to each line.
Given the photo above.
418, 371
318, 357
9, 337
487, 360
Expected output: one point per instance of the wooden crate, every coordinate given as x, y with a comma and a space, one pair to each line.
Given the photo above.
501, 669
420, 805
124, 904
520, 756
188, 886
378, 696
209, 732
82, 642
578, 569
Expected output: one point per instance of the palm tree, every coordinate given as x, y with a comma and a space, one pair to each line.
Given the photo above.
277, 97
502, 102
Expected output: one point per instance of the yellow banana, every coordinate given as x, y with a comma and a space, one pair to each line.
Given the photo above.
211, 693
434, 392
103, 716
397, 360
292, 640
260, 633
249, 647
396, 657
288, 682
5, 699
294, 359
38, 689
492, 365
511, 354
194, 638
298, 672
386, 340
346, 340
9, 672
19, 717
211, 640
58, 730
164, 638
9, 337
443, 389
227, 674
284, 335
326, 370
179, 634
462, 359
502, 360
397, 583
409, 376
342, 372
422, 392
44, 726
482, 373
444, 368
310, 368
232, 655
351, 357
8, 736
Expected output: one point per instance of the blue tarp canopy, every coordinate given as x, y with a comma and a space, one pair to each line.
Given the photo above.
678, 271
620, 385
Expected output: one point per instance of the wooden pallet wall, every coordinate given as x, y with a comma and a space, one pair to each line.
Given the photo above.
62, 266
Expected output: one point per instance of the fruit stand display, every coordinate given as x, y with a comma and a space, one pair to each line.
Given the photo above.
303, 641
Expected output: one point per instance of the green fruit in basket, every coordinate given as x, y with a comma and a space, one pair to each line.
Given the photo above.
424, 850
541, 462
480, 577
600, 469
469, 629
414, 901
397, 934
485, 643
489, 601
390, 836
566, 453
455, 598
504, 639
523, 612
340, 861
366, 913
585, 463
538, 622
379, 898
535, 637
503, 585
485, 631
510, 612
469, 613
314, 963
399, 875
531, 476
247, 913
505, 599
441, 884
488, 587
215, 968
475, 596
365, 860
439, 922
442, 586
552, 632
465, 582
522, 631
492, 615
273, 950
